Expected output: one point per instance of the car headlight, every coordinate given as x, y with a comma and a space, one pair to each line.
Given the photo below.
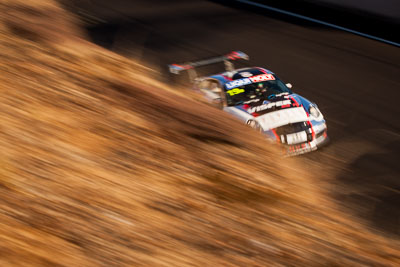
314, 112
255, 125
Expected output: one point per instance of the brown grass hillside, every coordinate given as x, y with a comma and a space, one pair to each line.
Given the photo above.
102, 166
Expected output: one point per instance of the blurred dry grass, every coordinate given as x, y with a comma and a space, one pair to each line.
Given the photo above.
101, 165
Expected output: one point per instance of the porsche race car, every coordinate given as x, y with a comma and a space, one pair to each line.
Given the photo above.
261, 100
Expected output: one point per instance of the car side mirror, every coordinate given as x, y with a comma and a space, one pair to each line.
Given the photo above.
289, 85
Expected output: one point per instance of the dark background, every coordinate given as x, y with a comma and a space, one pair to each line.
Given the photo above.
378, 18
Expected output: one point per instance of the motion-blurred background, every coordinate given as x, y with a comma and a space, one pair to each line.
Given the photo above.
107, 161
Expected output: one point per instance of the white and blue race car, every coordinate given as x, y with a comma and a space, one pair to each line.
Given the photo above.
260, 99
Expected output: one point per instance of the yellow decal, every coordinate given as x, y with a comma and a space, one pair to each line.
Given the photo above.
235, 91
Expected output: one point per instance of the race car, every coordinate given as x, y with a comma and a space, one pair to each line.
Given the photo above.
261, 100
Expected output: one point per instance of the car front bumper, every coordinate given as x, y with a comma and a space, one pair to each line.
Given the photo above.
320, 138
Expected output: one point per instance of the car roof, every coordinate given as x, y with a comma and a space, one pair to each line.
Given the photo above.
239, 74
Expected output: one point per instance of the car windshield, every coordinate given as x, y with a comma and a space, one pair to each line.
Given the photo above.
259, 90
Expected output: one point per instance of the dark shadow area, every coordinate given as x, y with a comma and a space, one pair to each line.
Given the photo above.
103, 34
147, 43
370, 188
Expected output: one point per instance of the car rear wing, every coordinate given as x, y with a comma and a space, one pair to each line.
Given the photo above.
190, 66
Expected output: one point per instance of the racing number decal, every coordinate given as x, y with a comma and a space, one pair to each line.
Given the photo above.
235, 91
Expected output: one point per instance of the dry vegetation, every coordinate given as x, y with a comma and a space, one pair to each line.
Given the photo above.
100, 165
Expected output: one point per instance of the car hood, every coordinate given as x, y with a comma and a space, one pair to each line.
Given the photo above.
271, 113
258, 107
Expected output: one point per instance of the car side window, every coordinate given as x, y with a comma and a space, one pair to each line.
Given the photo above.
210, 88
212, 91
